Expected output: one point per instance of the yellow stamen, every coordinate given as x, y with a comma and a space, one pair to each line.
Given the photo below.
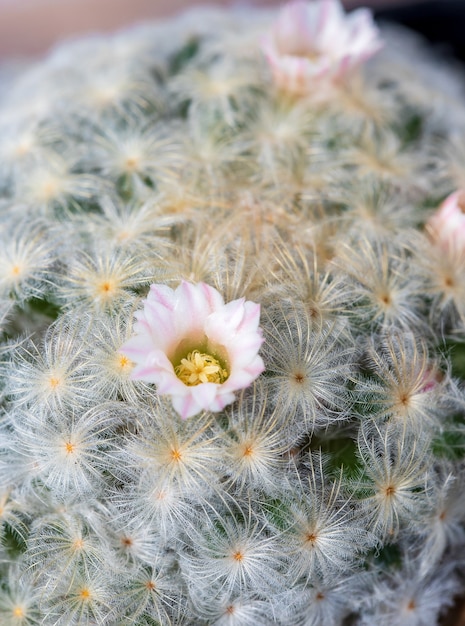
123, 362
176, 455
70, 447
106, 287
200, 368
248, 451
54, 382
18, 611
84, 594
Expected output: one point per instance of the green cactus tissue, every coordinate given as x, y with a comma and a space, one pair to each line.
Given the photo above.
232, 305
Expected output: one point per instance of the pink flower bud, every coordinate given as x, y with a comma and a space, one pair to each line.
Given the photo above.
313, 42
447, 225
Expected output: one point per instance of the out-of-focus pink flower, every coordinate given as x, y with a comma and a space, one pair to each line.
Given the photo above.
447, 225
316, 42
194, 347
429, 379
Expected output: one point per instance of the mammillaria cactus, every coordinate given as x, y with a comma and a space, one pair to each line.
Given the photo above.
233, 320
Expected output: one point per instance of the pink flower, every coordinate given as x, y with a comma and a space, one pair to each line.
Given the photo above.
312, 42
430, 379
194, 347
447, 225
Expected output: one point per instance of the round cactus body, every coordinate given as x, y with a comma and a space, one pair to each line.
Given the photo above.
232, 303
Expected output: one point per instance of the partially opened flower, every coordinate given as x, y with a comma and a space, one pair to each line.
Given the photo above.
194, 347
447, 225
312, 42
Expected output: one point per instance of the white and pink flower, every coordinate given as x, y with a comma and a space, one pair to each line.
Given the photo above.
312, 43
194, 347
447, 225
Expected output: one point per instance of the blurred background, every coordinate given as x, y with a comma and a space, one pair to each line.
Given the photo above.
30, 27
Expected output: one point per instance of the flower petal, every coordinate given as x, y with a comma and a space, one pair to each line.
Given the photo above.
186, 405
135, 348
204, 394
229, 316
193, 304
242, 377
293, 31
251, 317
162, 295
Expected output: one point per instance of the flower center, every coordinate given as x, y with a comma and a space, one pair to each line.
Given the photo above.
199, 367
126, 541
85, 594
308, 53
311, 538
123, 363
69, 447
54, 382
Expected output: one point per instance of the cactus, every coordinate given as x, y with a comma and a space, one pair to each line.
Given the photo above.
233, 327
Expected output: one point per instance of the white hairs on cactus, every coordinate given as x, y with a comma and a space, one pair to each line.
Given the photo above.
232, 303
